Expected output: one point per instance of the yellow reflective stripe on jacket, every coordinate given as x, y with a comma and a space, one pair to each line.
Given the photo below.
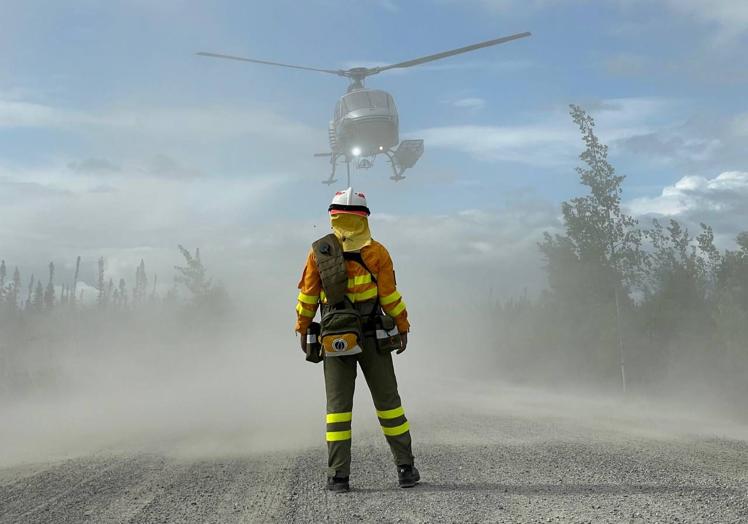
365, 295
308, 299
397, 430
359, 279
395, 311
304, 312
391, 413
389, 299
354, 297
335, 436
339, 417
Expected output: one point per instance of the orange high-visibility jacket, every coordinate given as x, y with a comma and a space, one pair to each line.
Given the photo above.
361, 287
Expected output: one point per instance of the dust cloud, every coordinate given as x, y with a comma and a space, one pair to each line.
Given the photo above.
187, 382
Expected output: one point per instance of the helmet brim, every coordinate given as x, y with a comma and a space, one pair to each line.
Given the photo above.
337, 209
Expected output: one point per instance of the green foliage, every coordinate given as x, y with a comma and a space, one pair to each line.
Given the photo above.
682, 304
49, 292
193, 276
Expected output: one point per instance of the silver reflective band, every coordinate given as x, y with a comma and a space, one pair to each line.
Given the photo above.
311, 339
381, 333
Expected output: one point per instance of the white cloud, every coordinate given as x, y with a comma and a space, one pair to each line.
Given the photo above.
19, 113
177, 123
57, 213
554, 141
731, 16
537, 145
389, 5
471, 251
721, 202
510, 5
470, 103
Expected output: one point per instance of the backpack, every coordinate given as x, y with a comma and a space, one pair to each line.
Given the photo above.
341, 332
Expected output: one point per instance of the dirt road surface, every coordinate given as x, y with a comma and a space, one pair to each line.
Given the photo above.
477, 465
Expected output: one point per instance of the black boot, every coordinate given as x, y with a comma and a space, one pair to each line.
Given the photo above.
407, 475
338, 484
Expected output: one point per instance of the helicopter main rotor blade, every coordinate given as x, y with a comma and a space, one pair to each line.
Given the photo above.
337, 72
445, 54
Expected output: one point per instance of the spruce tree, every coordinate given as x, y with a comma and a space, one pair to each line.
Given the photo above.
100, 285
3, 274
30, 291
49, 292
37, 301
75, 281
15, 291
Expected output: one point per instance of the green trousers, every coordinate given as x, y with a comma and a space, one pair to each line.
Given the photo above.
340, 381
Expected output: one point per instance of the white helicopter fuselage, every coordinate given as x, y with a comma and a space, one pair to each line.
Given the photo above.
365, 123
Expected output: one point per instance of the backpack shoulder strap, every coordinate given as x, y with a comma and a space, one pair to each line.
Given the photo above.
331, 266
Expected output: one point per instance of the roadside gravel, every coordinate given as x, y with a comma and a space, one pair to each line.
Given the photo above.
495, 468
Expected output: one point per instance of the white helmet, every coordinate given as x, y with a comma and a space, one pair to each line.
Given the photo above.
349, 202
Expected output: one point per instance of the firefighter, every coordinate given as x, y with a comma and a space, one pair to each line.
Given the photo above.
369, 292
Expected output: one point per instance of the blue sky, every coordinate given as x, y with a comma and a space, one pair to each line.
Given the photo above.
105, 110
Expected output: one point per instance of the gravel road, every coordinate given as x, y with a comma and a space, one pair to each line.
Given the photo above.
476, 466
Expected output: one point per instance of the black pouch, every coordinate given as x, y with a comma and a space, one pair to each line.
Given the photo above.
388, 336
313, 345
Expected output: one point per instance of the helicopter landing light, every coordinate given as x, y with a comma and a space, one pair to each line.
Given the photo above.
356, 151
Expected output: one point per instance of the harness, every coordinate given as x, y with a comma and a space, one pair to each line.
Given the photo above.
344, 323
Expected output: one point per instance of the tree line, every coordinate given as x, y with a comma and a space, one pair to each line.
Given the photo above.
38, 297
45, 324
629, 303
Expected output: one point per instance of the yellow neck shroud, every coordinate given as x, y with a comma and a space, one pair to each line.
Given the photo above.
351, 230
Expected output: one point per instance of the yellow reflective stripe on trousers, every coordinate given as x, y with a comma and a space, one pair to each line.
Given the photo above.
397, 430
335, 436
308, 299
395, 311
304, 312
389, 299
391, 413
339, 417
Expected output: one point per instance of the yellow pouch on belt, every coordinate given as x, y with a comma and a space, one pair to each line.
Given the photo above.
341, 330
341, 344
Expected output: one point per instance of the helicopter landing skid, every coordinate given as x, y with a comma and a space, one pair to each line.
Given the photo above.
398, 167
397, 170
334, 163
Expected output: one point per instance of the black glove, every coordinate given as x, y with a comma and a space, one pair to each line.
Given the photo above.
302, 339
403, 342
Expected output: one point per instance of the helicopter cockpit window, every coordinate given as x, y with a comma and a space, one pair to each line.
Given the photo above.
378, 99
366, 100
358, 100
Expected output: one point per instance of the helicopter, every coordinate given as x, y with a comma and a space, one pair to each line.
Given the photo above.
365, 122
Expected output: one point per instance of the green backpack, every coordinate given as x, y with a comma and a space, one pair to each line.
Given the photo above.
341, 331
